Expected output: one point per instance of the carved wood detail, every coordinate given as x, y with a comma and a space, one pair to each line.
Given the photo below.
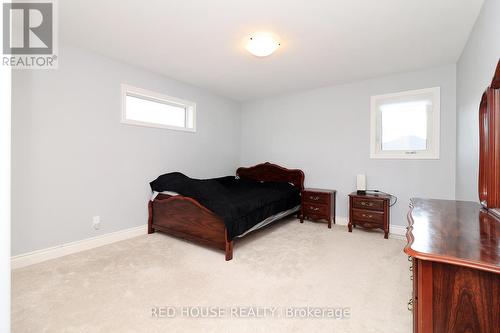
489, 147
269, 172
186, 218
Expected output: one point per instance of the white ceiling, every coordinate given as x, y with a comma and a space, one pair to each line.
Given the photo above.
323, 42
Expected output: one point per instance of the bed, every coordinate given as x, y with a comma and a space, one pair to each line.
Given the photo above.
257, 196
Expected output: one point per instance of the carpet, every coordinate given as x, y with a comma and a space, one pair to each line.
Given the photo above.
289, 277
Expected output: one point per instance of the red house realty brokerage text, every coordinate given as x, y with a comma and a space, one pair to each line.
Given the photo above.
248, 312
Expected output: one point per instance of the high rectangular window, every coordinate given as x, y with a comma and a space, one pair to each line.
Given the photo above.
405, 125
146, 108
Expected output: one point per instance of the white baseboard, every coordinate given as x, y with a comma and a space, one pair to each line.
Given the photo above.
341, 220
395, 231
30, 258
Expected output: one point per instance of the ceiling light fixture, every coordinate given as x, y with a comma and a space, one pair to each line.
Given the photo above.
262, 44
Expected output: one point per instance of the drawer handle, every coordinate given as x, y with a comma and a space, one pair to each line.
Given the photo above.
410, 304
364, 203
316, 198
314, 208
367, 215
411, 268
410, 258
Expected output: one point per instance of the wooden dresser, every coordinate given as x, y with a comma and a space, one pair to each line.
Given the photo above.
369, 211
455, 263
318, 204
455, 245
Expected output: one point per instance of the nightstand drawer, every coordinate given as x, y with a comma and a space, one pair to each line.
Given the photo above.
315, 210
368, 216
369, 211
316, 197
317, 204
372, 204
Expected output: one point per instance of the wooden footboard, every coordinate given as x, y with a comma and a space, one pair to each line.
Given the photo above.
186, 218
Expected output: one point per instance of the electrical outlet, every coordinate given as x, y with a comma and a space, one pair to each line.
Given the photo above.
96, 222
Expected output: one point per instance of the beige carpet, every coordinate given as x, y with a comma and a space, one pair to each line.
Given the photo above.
286, 266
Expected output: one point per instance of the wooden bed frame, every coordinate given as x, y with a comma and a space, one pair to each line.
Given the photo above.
186, 218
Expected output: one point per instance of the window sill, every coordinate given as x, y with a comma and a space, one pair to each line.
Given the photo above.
404, 156
143, 124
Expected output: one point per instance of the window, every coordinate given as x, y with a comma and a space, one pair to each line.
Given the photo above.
405, 125
147, 108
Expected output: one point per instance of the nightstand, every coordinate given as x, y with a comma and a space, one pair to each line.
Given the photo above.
369, 211
318, 204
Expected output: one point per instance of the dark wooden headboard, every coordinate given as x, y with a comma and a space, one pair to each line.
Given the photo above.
269, 172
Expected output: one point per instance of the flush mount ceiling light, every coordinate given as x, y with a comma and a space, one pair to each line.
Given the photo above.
262, 44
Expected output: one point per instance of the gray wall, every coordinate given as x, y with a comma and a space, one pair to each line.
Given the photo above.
475, 70
72, 159
5, 180
326, 132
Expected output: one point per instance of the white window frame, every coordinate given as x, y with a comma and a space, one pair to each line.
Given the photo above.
190, 107
433, 133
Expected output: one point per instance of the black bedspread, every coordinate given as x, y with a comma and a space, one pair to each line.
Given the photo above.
241, 203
